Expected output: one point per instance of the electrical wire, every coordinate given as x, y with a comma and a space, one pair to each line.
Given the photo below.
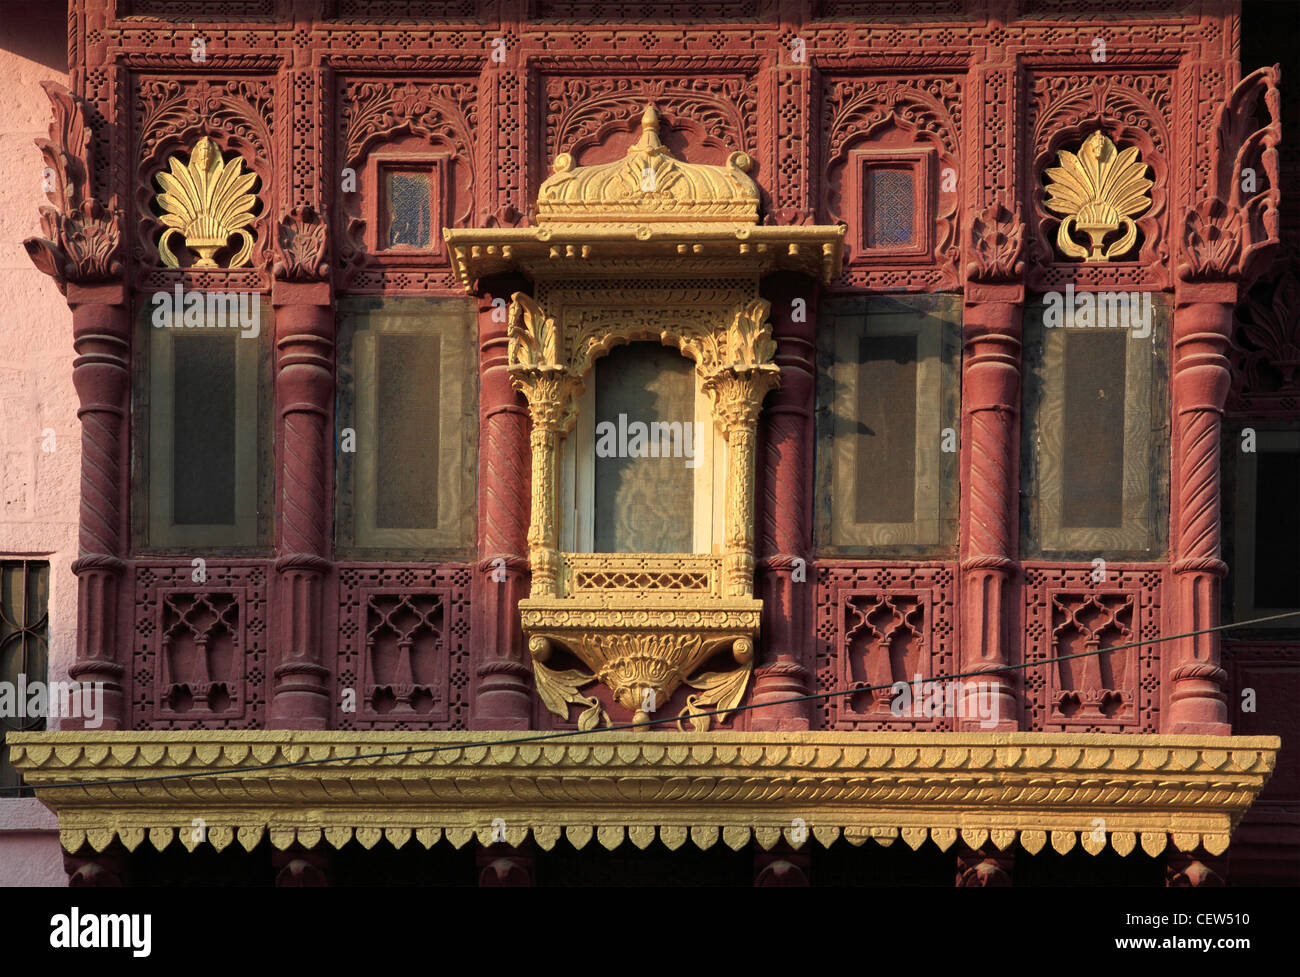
546, 735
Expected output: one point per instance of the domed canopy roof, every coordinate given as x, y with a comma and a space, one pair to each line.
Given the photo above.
649, 185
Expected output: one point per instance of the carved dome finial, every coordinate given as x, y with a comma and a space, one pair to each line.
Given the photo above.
649, 141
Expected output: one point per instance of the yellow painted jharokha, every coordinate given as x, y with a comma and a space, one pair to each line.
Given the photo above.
644, 248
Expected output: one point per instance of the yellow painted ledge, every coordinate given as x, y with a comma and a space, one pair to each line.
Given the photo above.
1060, 789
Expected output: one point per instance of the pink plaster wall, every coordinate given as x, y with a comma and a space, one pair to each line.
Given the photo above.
38, 489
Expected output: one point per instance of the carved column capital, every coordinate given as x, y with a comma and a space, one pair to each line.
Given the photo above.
302, 246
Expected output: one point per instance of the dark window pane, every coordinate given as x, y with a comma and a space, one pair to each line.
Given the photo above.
24, 646
408, 212
1277, 530
407, 381
890, 199
645, 504
885, 429
1093, 457
203, 430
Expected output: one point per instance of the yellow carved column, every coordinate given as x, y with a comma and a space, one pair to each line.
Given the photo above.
738, 389
536, 372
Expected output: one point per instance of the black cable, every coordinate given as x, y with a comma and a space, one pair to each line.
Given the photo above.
559, 734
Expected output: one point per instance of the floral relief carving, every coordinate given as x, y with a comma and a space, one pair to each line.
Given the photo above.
81, 238
721, 112
302, 239
887, 116
996, 246
442, 115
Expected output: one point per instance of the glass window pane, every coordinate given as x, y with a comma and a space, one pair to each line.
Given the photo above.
886, 429
408, 428
1277, 546
407, 373
891, 203
645, 409
1095, 445
407, 213
24, 646
887, 418
203, 430
203, 410
1094, 402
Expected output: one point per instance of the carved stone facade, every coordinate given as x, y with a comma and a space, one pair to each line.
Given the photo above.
706, 182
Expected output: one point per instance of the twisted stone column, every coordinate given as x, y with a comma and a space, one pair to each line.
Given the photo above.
990, 489
1202, 327
785, 569
101, 336
502, 698
304, 406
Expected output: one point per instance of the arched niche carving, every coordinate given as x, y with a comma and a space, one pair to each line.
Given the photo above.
1130, 110
646, 247
915, 125
419, 127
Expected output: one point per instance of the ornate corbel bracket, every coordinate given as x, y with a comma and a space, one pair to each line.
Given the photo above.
82, 238
1232, 233
996, 249
302, 246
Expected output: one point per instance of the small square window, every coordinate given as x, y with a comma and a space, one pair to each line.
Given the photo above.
891, 207
408, 209
894, 190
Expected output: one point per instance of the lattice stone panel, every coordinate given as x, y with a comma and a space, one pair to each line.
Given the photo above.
876, 625
1066, 612
627, 573
403, 647
201, 660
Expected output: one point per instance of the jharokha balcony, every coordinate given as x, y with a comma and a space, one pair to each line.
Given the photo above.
679, 439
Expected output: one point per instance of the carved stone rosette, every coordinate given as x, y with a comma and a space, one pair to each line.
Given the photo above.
644, 248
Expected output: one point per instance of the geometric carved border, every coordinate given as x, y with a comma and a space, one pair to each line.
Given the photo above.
197, 643
418, 678
877, 624
1065, 612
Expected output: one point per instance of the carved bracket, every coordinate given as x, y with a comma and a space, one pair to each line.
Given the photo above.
82, 238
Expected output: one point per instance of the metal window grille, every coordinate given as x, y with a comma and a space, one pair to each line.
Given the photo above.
24, 650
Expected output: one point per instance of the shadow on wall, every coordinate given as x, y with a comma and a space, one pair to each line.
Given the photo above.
37, 32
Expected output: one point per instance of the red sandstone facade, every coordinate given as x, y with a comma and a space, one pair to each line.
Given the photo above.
306, 91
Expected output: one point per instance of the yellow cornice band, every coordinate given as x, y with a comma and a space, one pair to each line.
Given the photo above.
1062, 789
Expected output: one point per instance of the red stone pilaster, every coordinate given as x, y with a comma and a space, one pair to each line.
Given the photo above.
299, 867
1202, 327
89, 869
990, 439
1195, 870
984, 868
506, 867
101, 335
783, 866
785, 572
503, 697
304, 405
